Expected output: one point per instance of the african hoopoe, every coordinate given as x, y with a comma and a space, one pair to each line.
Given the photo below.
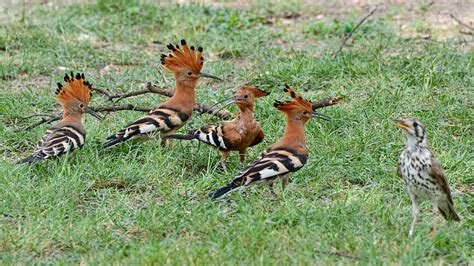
237, 135
68, 134
422, 173
288, 155
185, 63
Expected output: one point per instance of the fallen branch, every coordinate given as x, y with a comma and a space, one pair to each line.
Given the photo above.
326, 102
461, 23
199, 107
43, 120
114, 108
349, 35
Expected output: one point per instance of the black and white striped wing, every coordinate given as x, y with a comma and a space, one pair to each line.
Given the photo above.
161, 119
56, 142
212, 135
272, 164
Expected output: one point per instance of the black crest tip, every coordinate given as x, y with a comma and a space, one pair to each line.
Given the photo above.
200, 49
183, 42
171, 47
192, 48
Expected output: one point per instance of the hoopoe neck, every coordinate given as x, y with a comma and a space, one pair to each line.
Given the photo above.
72, 117
245, 114
294, 130
184, 97
294, 137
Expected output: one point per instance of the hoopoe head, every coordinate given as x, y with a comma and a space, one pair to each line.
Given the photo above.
299, 109
245, 96
75, 96
413, 128
185, 63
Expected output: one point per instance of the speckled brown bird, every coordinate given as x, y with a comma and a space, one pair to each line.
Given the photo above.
238, 134
422, 173
69, 133
287, 155
185, 63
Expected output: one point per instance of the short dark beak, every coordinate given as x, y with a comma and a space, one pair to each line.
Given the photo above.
321, 116
93, 113
205, 75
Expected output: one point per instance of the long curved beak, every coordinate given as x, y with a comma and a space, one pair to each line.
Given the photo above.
399, 123
205, 75
223, 101
93, 113
224, 106
321, 116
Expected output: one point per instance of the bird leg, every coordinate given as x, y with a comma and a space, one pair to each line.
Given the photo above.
224, 155
284, 182
242, 155
270, 187
416, 211
433, 225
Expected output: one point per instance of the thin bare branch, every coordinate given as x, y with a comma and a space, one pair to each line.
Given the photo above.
43, 120
103, 93
165, 80
349, 35
114, 108
461, 22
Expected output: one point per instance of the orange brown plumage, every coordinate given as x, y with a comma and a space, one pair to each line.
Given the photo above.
289, 154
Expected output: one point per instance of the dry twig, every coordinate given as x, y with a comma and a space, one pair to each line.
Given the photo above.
349, 35
461, 23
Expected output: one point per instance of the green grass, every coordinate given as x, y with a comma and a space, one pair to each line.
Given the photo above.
346, 200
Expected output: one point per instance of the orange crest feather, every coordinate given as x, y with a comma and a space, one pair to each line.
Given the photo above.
76, 88
185, 57
297, 103
257, 93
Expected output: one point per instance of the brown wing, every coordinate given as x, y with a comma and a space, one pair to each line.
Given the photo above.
437, 173
258, 138
231, 135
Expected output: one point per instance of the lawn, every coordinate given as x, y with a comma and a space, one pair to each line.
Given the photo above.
142, 203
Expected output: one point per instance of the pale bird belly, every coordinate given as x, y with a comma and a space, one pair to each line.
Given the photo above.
422, 188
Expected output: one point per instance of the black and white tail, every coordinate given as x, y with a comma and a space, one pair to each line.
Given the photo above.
227, 189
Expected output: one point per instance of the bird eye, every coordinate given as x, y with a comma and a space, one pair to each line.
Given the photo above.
305, 113
81, 105
246, 96
190, 73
